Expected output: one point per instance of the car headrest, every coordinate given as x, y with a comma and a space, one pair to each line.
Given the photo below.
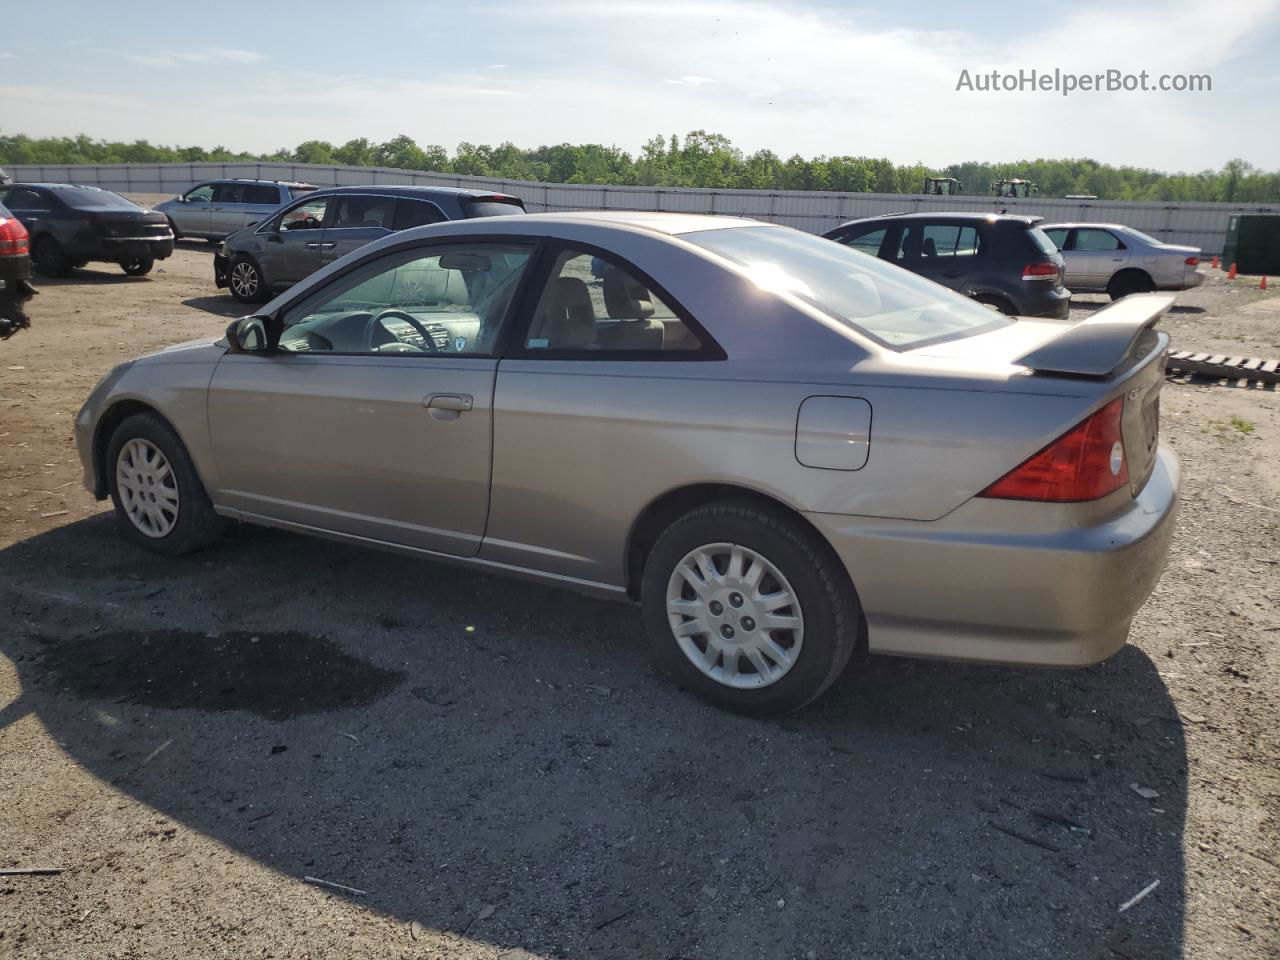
625, 298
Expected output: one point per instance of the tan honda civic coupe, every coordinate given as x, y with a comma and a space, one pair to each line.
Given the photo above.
782, 448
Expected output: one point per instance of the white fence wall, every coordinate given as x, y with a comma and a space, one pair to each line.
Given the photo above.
1200, 224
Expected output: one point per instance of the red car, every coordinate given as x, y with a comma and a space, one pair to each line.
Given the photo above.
15, 274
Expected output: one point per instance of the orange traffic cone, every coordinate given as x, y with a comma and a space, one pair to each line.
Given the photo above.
1215, 262
1231, 274
1262, 285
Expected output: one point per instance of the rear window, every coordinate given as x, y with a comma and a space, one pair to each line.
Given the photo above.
1042, 241
93, 199
496, 206
900, 309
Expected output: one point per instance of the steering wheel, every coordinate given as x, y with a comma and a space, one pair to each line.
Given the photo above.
375, 321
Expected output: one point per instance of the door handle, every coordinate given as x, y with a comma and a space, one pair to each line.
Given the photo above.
457, 402
328, 245
313, 245
1117, 259
953, 274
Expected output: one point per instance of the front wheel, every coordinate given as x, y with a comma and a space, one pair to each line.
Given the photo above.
749, 608
159, 500
138, 266
245, 280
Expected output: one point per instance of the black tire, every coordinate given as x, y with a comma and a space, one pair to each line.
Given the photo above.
1129, 281
138, 266
177, 234
832, 615
245, 281
196, 524
997, 303
49, 259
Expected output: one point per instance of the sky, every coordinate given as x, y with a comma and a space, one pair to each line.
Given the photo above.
810, 77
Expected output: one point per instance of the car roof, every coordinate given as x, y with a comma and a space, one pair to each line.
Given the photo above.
671, 223
950, 215
61, 186
1071, 224
407, 190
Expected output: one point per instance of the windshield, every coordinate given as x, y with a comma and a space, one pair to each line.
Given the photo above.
94, 199
886, 302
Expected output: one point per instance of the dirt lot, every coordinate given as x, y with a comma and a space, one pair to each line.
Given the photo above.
189, 739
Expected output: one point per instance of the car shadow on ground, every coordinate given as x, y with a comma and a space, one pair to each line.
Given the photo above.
497, 758
97, 274
1094, 305
223, 305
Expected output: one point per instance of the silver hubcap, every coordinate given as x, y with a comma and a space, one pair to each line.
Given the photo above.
244, 279
147, 487
734, 615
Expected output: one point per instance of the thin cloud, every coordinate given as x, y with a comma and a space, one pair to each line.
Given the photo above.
6, 55
173, 58
691, 81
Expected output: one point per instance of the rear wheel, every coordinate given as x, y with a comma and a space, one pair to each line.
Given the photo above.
997, 303
1129, 281
159, 500
245, 280
138, 266
748, 608
49, 258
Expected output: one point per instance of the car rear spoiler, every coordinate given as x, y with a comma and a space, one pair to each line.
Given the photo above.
1096, 345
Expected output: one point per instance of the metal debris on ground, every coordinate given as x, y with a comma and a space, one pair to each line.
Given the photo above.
1221, 366
1146, 793
31, 872
316, 881
1139, 896
1026, 837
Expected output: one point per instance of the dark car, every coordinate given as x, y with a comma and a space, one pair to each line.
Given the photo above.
322, 226
1004, 261
72, 224
15, 274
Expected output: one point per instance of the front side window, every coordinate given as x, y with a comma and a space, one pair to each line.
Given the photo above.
1097, 240
592, 305
947, 240
358, 210
201, 194
305, 216
442, 300
900, 309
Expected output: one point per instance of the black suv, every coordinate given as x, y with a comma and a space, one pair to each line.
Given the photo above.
71, 224
1002, 260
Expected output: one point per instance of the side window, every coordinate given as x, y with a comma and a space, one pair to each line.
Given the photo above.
305, 216
228, 193
1058, 235
19, 199
948, 240
868, 243
262, 194
591, 304
908, 245
1097, 240
201, 194
416, 213
441, 300
357, 210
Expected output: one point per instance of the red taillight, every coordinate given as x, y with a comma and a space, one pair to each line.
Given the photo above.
13, 237
1085, 463
1192, 261
1046, 270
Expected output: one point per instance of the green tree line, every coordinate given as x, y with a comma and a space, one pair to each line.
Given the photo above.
698, 159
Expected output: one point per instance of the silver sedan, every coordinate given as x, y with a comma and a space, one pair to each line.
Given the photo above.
1118, 260
784, 450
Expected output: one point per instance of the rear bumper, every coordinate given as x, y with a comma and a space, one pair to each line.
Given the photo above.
118, 248
1047, 304
964, 588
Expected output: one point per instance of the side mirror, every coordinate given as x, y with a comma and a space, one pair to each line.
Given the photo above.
248, 335
180, 198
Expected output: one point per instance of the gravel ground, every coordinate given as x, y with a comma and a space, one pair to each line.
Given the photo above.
497, 767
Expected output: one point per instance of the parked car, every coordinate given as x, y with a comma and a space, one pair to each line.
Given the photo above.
1119, 260
217, 208
782, 448
328, 224
15, 274
71, 224
1001, 260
